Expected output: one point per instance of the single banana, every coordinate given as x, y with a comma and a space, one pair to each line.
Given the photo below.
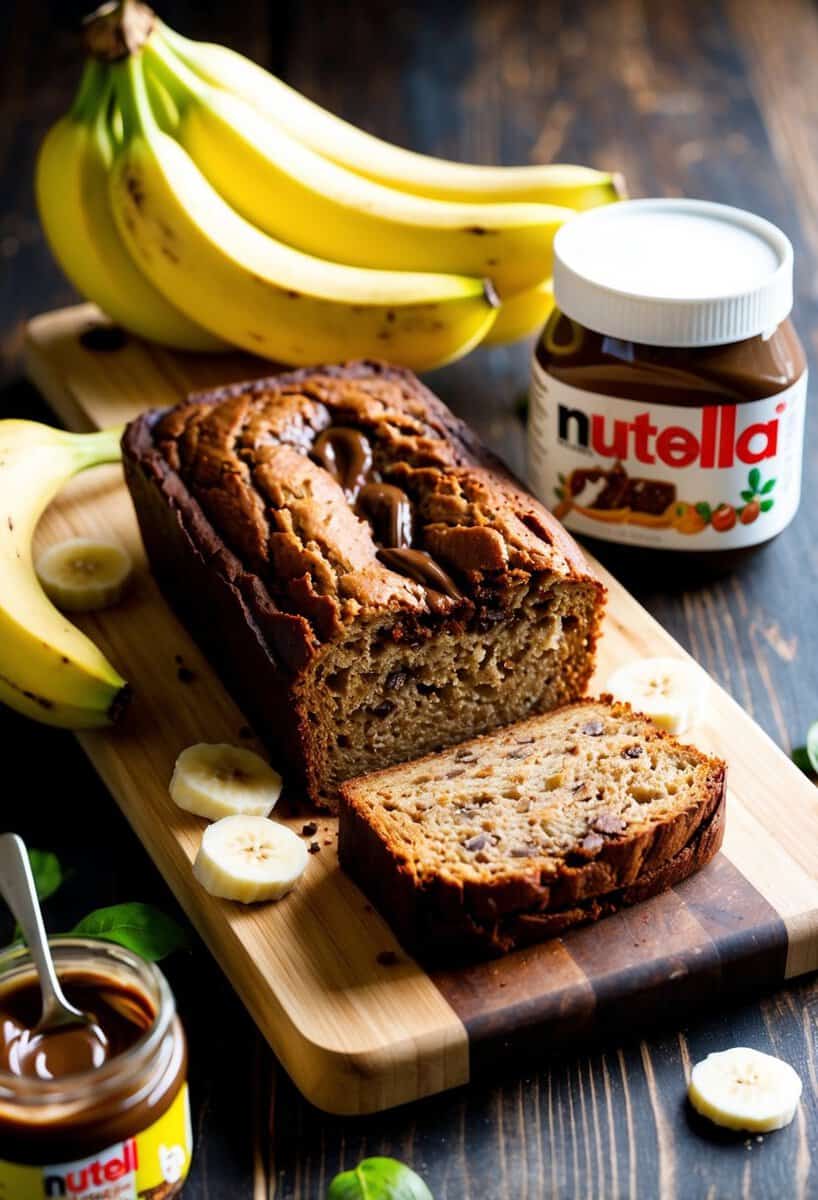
259, 293
218, 780
84, 574
311, 203
49, 669
671, 691
521, 315
419, 174
71, 183
249, 858
745, 1089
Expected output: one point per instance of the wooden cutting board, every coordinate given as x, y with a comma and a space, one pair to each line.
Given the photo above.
357, 1029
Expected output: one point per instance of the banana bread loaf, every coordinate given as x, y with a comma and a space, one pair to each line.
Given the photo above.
514, 837
371, 582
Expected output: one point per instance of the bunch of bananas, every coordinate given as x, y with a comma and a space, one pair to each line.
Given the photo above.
200, 201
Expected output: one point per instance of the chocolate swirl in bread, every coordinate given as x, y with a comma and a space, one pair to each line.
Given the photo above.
324, 531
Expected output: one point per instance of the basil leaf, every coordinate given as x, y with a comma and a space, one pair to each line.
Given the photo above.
748, 496
754, 478
47, 872
812, 746
139, 927
768, 487
766, 505
703, 509
48, 877
801, 759
379, 1179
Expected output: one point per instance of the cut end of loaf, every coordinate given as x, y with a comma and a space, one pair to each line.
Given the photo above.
384, 695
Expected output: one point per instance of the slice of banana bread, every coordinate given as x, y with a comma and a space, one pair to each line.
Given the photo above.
515, 836
371, 582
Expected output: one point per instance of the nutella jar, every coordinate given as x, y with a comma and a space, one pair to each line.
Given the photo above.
669, 387
99, 1113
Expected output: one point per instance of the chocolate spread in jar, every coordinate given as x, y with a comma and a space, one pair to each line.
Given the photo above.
678, 445
98, 1110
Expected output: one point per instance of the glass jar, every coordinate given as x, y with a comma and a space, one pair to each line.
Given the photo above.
121, 1130
668, 387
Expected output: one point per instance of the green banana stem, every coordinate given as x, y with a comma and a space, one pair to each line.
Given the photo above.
94, 449
179, 80
132, 98
92, 82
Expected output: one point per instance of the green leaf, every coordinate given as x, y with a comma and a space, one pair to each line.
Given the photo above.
704, 510
766, 505
48, 877
379, 1179
812, 746
140, 927
561, 477
748, 496
802, 760
47, 872
768, 487
754, 478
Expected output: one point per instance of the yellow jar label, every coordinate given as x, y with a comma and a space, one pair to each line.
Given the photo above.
153, 1165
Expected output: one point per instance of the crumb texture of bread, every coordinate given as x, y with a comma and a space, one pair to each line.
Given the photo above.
529, 830
372, 582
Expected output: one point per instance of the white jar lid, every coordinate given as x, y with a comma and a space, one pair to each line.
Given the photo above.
673, 272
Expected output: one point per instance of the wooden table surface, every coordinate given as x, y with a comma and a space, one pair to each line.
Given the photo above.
691, 97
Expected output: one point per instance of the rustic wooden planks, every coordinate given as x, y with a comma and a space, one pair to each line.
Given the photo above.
357, 1035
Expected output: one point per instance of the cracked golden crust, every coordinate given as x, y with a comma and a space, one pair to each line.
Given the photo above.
243, 454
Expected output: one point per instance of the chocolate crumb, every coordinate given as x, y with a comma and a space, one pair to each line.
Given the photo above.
528, 741
632, 752
465, 756
309, 830
395, 680
185, 675
368, 908
593, 728
387, 958
314, 848
453, 774
178, 658
383, 709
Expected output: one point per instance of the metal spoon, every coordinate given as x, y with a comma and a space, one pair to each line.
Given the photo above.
17, 887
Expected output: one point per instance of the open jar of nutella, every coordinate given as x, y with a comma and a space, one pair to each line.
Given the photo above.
669, 387
92, 1113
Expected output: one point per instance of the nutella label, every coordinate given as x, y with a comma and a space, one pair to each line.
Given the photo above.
153, 1165
711, 478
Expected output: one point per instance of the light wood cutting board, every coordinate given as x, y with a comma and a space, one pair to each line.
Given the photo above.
356, 1030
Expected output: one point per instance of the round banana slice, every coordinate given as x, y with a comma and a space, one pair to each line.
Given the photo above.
745, 1089
218, 780
249, 858
83, 574
671, 691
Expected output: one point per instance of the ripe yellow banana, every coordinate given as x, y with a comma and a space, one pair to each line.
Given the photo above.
72, 197
521, 314
49, 669
259, 293
311, 203
343, 143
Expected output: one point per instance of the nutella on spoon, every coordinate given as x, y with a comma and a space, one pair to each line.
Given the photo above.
669, 387
93, 1064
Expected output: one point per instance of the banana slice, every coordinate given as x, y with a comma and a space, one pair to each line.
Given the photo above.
745, 1089
672, 691
219, 780
82, 574
249, 858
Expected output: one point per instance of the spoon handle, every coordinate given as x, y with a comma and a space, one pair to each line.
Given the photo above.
17, 886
